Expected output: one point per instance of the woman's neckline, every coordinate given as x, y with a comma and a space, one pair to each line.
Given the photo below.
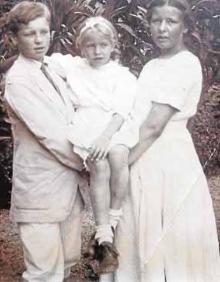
166, 57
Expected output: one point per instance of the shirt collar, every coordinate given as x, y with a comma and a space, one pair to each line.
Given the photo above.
46, 60
36, 63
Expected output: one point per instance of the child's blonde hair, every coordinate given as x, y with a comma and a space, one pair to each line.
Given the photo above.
101, 25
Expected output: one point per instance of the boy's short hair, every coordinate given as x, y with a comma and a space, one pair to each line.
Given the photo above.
24, 12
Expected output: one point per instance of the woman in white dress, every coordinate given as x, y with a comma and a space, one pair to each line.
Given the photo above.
168, 233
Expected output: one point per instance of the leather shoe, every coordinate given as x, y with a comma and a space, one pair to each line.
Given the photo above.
107, 256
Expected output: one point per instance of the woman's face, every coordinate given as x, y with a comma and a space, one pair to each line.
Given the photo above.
167, 29
33, 39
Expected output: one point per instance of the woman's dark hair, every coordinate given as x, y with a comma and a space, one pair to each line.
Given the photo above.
181, 5
190, 40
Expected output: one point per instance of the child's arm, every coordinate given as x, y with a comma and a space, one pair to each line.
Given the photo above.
123, 99
99, 148
61, 64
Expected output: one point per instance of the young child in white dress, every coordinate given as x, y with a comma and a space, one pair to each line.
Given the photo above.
103, 95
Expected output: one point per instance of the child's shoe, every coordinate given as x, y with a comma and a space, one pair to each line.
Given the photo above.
92, 248
107, 256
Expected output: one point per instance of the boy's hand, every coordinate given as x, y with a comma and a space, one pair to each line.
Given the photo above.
99, 148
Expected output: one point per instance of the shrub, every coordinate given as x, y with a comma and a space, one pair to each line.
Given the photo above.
129, 18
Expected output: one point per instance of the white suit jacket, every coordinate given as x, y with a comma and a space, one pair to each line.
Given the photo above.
45, 177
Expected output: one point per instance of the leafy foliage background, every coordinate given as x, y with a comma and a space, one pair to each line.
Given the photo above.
129, 18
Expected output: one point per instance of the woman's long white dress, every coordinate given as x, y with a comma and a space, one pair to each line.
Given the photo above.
168, 233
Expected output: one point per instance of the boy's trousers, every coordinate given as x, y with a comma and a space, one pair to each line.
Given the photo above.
50, 249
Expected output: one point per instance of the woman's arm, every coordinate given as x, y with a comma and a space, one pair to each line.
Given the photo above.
151, 129
99, 148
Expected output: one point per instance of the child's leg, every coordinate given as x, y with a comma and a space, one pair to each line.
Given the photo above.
118, 161
99, 190
106, 254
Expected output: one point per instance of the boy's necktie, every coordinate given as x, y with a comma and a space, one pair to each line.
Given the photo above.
45, 71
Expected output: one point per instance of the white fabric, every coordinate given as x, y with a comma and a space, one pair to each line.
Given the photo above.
115, 216
169, 230
104, 233
98, 93
50, 249
44, 177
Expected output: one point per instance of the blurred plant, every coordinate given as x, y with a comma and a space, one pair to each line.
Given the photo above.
129, 18
207, 16
205, 129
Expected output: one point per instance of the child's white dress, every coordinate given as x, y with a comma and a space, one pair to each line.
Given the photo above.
168, 232
97, 94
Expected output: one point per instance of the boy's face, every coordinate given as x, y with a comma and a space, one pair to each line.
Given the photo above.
33, 39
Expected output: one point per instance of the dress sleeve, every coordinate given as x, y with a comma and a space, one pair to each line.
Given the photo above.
125, 91
61, 64
177, 82
39, 118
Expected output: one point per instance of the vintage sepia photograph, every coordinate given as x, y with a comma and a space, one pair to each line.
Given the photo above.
109, 140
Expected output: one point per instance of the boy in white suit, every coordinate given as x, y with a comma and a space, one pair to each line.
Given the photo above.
46, 203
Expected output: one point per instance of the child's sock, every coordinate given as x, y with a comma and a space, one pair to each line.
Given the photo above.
104, 233
114, 217
106, 277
